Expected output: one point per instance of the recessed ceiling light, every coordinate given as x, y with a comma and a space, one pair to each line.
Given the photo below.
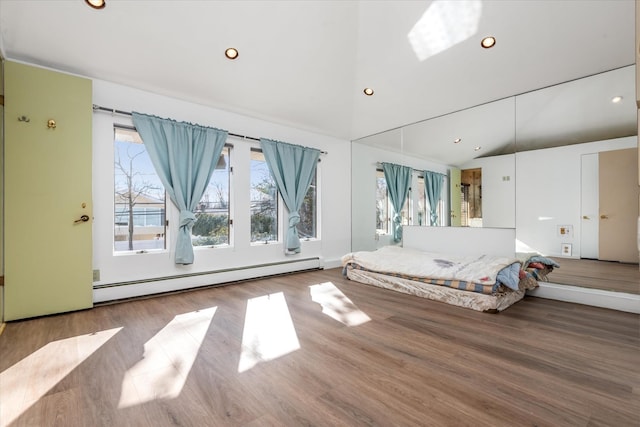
96, 4
488, 42
231, 53
457, 140
477, 148
368, 91
616, 99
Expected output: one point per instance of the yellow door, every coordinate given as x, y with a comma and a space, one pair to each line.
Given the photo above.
618, 171
48, 255
455, 177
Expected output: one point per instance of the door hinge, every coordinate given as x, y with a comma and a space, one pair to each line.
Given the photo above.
230, 221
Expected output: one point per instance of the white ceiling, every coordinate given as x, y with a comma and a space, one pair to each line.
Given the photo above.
305, 63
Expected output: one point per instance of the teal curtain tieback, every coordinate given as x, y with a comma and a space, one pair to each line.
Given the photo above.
294, 219
187, 219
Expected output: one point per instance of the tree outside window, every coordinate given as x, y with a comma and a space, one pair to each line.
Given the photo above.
212, 225
139, 197
263, 200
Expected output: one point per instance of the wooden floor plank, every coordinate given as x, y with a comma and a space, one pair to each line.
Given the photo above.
410, 362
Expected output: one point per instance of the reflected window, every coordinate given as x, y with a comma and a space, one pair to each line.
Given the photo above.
384, 208
382, 203
424, 210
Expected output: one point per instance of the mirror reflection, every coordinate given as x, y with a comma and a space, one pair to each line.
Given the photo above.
542, 162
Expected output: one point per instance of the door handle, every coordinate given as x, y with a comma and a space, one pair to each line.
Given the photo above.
83, 218
585, 217
604, 217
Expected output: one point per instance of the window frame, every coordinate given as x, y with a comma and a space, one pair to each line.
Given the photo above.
165, 227
279, 205
230, 202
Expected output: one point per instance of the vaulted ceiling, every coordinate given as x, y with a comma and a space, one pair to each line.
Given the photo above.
306, 63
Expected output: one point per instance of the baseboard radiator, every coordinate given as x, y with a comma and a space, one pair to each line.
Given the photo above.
111, 292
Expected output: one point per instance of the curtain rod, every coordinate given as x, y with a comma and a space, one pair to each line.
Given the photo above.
128, 113
415, 170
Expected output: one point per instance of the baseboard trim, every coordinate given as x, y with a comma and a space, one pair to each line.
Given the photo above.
595, 297
171, 284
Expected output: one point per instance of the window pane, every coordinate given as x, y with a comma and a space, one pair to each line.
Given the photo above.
212, 214
382, 203
405, 213
423, 215
139, 197
307, 225
264, 201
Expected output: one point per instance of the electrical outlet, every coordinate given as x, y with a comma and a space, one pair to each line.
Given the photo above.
96, 275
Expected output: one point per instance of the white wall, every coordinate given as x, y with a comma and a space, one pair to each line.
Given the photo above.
334, 187
548, 194
498, 189
363, 199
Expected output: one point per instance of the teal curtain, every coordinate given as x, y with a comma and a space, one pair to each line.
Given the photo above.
184, 155
433, 188
292, 168
398, 183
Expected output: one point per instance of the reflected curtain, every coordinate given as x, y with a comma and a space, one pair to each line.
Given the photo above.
433, 188
292, 168
398, 182
184, 156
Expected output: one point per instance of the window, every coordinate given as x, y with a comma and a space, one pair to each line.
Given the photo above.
382, 204
424, 210
212, 226
263, 200
307, 228
423, 214
405, 213
139, 196
384, 208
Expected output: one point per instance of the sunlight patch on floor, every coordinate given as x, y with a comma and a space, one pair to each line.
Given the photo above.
167, 360
26, 382
337, 305
268, 331
443, 25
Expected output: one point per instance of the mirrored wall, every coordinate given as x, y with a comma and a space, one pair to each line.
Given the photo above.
529, 161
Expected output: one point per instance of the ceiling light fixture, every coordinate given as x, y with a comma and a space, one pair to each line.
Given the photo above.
477, 148
368, 91
457, 140
617, 99
96, 4
231, 53
488, 42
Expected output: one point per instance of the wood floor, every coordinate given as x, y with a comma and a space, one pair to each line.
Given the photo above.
594, 274
314, 349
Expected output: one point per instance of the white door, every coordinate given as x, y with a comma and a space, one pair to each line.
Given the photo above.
589, 207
